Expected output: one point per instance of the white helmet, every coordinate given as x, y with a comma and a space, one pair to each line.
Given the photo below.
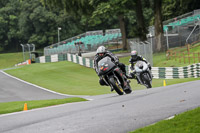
134, 54
101, 50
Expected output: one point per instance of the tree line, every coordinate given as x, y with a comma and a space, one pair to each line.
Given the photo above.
37, 21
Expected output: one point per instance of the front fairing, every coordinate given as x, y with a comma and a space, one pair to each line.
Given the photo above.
105, 65
138, 65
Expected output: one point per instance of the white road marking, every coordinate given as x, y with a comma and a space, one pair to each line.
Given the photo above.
35, 109
42, 87
169, 118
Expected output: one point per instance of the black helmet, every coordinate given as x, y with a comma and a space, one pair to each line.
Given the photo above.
134, 54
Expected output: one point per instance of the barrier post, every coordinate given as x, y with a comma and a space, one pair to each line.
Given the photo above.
164, 83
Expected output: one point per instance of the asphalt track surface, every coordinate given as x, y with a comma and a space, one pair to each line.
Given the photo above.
106, 113
12, 89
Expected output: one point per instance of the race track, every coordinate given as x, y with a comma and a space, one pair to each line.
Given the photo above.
12, 89
106, 113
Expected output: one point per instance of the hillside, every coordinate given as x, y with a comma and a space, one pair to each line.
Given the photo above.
10, 59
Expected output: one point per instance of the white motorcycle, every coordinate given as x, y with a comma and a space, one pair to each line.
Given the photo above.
143, 73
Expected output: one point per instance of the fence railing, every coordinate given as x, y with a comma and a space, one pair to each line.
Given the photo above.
144, 49
183, 54
185, 57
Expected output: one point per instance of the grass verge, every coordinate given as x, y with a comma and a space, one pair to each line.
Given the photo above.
70, 78
10, 107
160, 60
10, 59
187, 122
64, 77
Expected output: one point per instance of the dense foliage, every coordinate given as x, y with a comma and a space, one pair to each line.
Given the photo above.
37, 21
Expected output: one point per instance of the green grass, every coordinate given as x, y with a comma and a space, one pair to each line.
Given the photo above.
70, 78
10, 59
187, 122
64, 77
188, 61
124, 60
160, 60
193, 48
10, 107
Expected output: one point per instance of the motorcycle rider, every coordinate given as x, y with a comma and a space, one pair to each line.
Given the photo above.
100, 54
133, 60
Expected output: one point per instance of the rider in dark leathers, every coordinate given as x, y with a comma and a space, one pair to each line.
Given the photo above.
100, 54
133, 60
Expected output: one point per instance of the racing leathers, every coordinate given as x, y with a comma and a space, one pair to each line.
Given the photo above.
133, 62
97, 58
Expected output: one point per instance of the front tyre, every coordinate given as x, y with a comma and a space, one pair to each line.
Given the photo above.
146, 81
116, 86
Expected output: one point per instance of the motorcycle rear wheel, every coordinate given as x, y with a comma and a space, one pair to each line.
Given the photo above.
129, 90
116, 86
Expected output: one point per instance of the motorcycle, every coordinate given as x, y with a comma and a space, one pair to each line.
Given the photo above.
143, 73
113, 76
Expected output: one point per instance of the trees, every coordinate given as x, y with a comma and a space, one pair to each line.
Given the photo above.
160, 46
109, 9
24, 22
140, 21
73, 7
37, 24
122, 8
169, 9
94, 8
9, 12
28, 21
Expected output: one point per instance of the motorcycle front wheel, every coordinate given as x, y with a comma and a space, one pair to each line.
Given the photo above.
116, 86
146, 81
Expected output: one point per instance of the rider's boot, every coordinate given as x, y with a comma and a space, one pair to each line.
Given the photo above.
138, 82
126, 77
128, 81
129, 76
102, 82
126, 87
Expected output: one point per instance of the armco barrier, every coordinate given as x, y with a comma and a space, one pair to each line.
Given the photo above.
158, 72
177, 72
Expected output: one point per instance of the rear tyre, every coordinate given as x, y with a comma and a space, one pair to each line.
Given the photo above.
129, 90
116, 86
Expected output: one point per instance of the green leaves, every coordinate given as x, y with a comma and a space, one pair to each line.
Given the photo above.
23, 21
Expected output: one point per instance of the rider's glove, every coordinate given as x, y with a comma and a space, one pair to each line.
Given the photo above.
117, 62
149, 65
133, 74
133, 71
